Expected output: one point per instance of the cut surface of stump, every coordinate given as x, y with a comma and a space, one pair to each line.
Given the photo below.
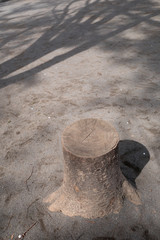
93, 185
89, 138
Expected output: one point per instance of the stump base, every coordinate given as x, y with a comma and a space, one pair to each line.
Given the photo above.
61, 202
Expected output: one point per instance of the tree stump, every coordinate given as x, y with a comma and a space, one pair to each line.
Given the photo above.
93, 185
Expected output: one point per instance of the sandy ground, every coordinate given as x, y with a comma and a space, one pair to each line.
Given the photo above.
61, 61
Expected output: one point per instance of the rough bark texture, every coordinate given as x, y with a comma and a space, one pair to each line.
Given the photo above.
93, 185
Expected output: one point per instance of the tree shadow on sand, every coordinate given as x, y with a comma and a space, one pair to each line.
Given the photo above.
77, 30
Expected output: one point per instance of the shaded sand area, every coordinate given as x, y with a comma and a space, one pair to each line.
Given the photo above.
61, 61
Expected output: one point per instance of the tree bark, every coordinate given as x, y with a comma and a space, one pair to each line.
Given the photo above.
93, 185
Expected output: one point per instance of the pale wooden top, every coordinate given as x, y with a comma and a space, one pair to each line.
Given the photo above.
90, 138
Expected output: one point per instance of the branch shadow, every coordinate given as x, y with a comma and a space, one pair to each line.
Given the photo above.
4, 1
133, 157
95, 23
